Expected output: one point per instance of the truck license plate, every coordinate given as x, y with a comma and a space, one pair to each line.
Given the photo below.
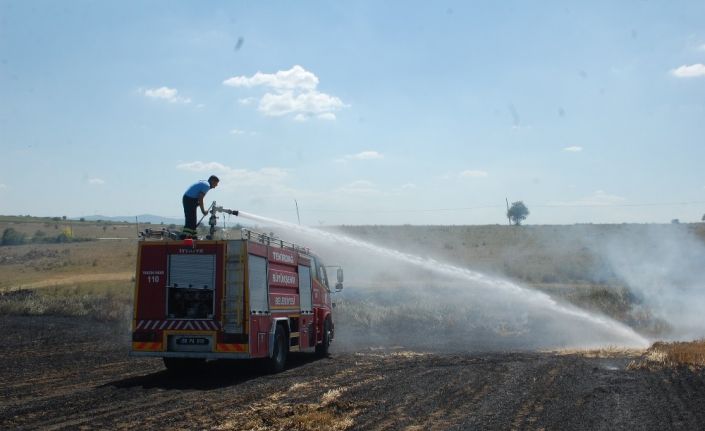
192, 341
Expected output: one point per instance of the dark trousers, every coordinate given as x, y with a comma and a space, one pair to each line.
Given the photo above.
190, 206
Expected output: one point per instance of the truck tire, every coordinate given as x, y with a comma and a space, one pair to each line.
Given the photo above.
182, 365
322, 349
277, 362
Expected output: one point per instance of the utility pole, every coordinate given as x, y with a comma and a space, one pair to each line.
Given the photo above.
509, 220
297, 212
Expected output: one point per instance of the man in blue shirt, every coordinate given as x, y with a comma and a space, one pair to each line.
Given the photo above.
193, 198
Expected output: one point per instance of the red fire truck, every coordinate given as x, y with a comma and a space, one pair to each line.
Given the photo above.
253, 297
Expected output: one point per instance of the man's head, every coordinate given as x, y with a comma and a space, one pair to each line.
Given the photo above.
213, 181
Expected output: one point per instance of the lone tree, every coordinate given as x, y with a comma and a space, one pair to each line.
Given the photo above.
517, 212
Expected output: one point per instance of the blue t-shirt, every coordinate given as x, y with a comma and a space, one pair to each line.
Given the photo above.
195, 190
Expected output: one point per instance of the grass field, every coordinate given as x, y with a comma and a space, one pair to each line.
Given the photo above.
94, 278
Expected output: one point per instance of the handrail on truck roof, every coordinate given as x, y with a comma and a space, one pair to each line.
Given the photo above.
265, 239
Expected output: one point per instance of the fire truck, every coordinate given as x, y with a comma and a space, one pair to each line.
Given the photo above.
256, 297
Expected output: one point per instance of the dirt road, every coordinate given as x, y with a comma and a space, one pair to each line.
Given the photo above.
74, 373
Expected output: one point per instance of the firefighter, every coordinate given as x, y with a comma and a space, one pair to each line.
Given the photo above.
193, 198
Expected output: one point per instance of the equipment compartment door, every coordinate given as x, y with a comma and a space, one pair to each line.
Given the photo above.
257, 272
305, 289
234, 290
191, 286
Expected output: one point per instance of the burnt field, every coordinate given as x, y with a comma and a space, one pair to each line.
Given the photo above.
75, 373
413, 351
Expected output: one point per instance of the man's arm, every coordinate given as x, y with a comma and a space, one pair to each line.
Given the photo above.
200, 202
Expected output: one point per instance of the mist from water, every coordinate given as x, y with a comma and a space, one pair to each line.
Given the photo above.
664, 266
436, 299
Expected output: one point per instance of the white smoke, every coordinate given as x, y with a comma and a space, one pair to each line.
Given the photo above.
664, 266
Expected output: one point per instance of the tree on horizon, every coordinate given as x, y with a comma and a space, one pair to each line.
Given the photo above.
517, 213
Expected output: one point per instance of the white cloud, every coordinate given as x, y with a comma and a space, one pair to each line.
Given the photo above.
309, 103
327, 116
692, 71
702, 47
473, 174
573, 149
408, 186
3, 186
296, 78
96, 181
293, 92
247, 101
360, 188
165, 93
199, 166
237, 177
365, 155
237, 132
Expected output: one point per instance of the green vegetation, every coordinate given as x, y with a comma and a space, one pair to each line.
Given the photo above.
517, 213
10, 236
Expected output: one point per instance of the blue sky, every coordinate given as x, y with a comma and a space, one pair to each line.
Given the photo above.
364, 112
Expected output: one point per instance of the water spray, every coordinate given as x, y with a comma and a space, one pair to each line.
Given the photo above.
540, 299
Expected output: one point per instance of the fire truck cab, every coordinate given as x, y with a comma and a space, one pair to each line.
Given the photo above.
256, 297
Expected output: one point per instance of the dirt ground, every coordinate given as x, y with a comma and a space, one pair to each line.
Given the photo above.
75, 373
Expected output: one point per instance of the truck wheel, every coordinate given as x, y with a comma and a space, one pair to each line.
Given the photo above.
278, 360
181, 365
322, 349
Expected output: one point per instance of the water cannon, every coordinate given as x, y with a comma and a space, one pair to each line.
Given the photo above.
215, 209
213, 220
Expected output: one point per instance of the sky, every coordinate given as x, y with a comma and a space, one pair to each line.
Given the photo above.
359, 112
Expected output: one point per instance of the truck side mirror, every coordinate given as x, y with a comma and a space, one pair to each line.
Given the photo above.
339, 284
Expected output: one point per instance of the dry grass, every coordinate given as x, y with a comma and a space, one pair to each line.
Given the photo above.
277, 414
78, 229
107, 301
672, 355
607, 352
26, 265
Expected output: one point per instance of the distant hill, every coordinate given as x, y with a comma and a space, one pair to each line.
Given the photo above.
142, 218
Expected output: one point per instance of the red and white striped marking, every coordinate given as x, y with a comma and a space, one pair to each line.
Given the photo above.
194, 325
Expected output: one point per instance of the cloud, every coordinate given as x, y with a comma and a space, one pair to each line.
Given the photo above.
199, 166
237, 177
365, 155
247, 101
296, 78
96, 181
360, 188
165, 93
239, 132
290, 92
573, 149
327, 116
473, 174
408, 186
702, 47
3, 186
692, 71
305, 104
